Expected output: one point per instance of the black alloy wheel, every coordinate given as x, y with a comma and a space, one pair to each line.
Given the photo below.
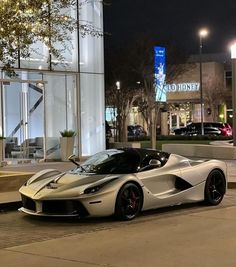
129, 202
215, 188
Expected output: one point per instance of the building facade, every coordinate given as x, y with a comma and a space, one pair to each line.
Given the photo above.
183, 99
40, 103
183, 94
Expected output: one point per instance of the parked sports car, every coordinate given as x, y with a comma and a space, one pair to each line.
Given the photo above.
123, 182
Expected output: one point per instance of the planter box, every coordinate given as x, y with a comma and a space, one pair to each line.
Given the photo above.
125, 144
12, 181
202, 151
67, 147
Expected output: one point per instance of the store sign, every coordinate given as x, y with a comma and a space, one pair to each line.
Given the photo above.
160, 72
182, 87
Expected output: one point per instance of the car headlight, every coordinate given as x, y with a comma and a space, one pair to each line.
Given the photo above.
96, 188
91, 190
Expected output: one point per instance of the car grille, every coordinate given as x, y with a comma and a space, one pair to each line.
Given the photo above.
56, 207
28, 203
68, 207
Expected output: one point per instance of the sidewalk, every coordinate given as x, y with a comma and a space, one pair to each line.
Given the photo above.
12, 199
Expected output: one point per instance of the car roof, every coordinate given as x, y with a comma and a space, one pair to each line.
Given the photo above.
145, 152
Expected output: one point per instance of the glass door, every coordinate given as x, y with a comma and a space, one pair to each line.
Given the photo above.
23, 121
35, 108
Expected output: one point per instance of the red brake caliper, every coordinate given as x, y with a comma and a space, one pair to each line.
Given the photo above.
133, 200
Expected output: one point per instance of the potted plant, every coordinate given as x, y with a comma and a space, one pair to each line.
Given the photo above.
67, 143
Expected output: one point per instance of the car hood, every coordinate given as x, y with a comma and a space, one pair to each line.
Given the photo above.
65, 182
77, 180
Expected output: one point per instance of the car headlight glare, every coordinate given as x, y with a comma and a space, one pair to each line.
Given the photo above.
96, 188
91, 190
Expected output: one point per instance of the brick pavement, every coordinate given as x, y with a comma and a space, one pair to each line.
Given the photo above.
17, 228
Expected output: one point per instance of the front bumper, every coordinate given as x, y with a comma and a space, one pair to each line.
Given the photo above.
62, 208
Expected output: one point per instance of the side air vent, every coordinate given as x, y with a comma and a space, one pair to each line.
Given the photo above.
181, 184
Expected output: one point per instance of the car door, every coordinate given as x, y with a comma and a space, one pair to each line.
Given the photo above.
159, 180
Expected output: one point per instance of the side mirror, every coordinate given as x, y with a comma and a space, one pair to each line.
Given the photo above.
72, 159
155, 163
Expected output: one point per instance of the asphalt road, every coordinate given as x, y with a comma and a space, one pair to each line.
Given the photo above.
187, 235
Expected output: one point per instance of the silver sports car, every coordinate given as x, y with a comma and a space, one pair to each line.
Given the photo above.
123, 182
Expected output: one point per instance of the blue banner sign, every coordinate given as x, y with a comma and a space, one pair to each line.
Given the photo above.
160, 73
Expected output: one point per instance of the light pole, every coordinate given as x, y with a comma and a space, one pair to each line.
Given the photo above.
202, 33
233, 57
118, 128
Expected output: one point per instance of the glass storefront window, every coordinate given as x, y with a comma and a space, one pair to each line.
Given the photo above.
91, 48
92, 114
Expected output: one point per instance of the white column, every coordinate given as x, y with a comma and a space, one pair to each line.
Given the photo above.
233, 56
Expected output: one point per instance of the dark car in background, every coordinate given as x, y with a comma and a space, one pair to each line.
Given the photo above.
136, 131
225, 128
194, 128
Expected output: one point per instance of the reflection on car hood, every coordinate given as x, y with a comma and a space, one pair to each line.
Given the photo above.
67, 181
80, 179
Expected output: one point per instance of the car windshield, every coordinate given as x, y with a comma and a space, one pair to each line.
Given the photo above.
112, 161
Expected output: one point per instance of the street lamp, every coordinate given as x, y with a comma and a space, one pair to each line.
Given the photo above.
118, 85
202, 34
233, 57
118, 120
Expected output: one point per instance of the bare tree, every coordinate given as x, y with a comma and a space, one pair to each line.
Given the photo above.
24, 23
214, 94
118, 67
136, 63
122, 101
144, 66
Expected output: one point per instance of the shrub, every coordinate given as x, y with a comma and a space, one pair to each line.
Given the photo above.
67, 133
180, 137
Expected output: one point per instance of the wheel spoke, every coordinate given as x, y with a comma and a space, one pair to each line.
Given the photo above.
213, 181
130, 201
215, 188
219, 183
215, 194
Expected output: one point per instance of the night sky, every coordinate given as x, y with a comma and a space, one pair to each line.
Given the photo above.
175, 20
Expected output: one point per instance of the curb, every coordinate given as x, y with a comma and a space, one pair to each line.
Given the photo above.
231, 185
10, 206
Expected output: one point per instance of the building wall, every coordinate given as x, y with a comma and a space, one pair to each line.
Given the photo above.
74, 92
213, 79
92, 83
183, 100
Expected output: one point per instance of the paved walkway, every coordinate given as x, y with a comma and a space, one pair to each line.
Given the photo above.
194, 236
35, 167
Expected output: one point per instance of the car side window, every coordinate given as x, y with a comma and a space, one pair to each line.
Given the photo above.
145, 165
125, 163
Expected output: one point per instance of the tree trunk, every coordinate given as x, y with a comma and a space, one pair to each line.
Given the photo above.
152, 129
124, 137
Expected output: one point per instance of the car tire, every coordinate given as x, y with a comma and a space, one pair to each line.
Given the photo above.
215, 188
129, 202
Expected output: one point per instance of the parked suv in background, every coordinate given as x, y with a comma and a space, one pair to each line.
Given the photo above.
194, 128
